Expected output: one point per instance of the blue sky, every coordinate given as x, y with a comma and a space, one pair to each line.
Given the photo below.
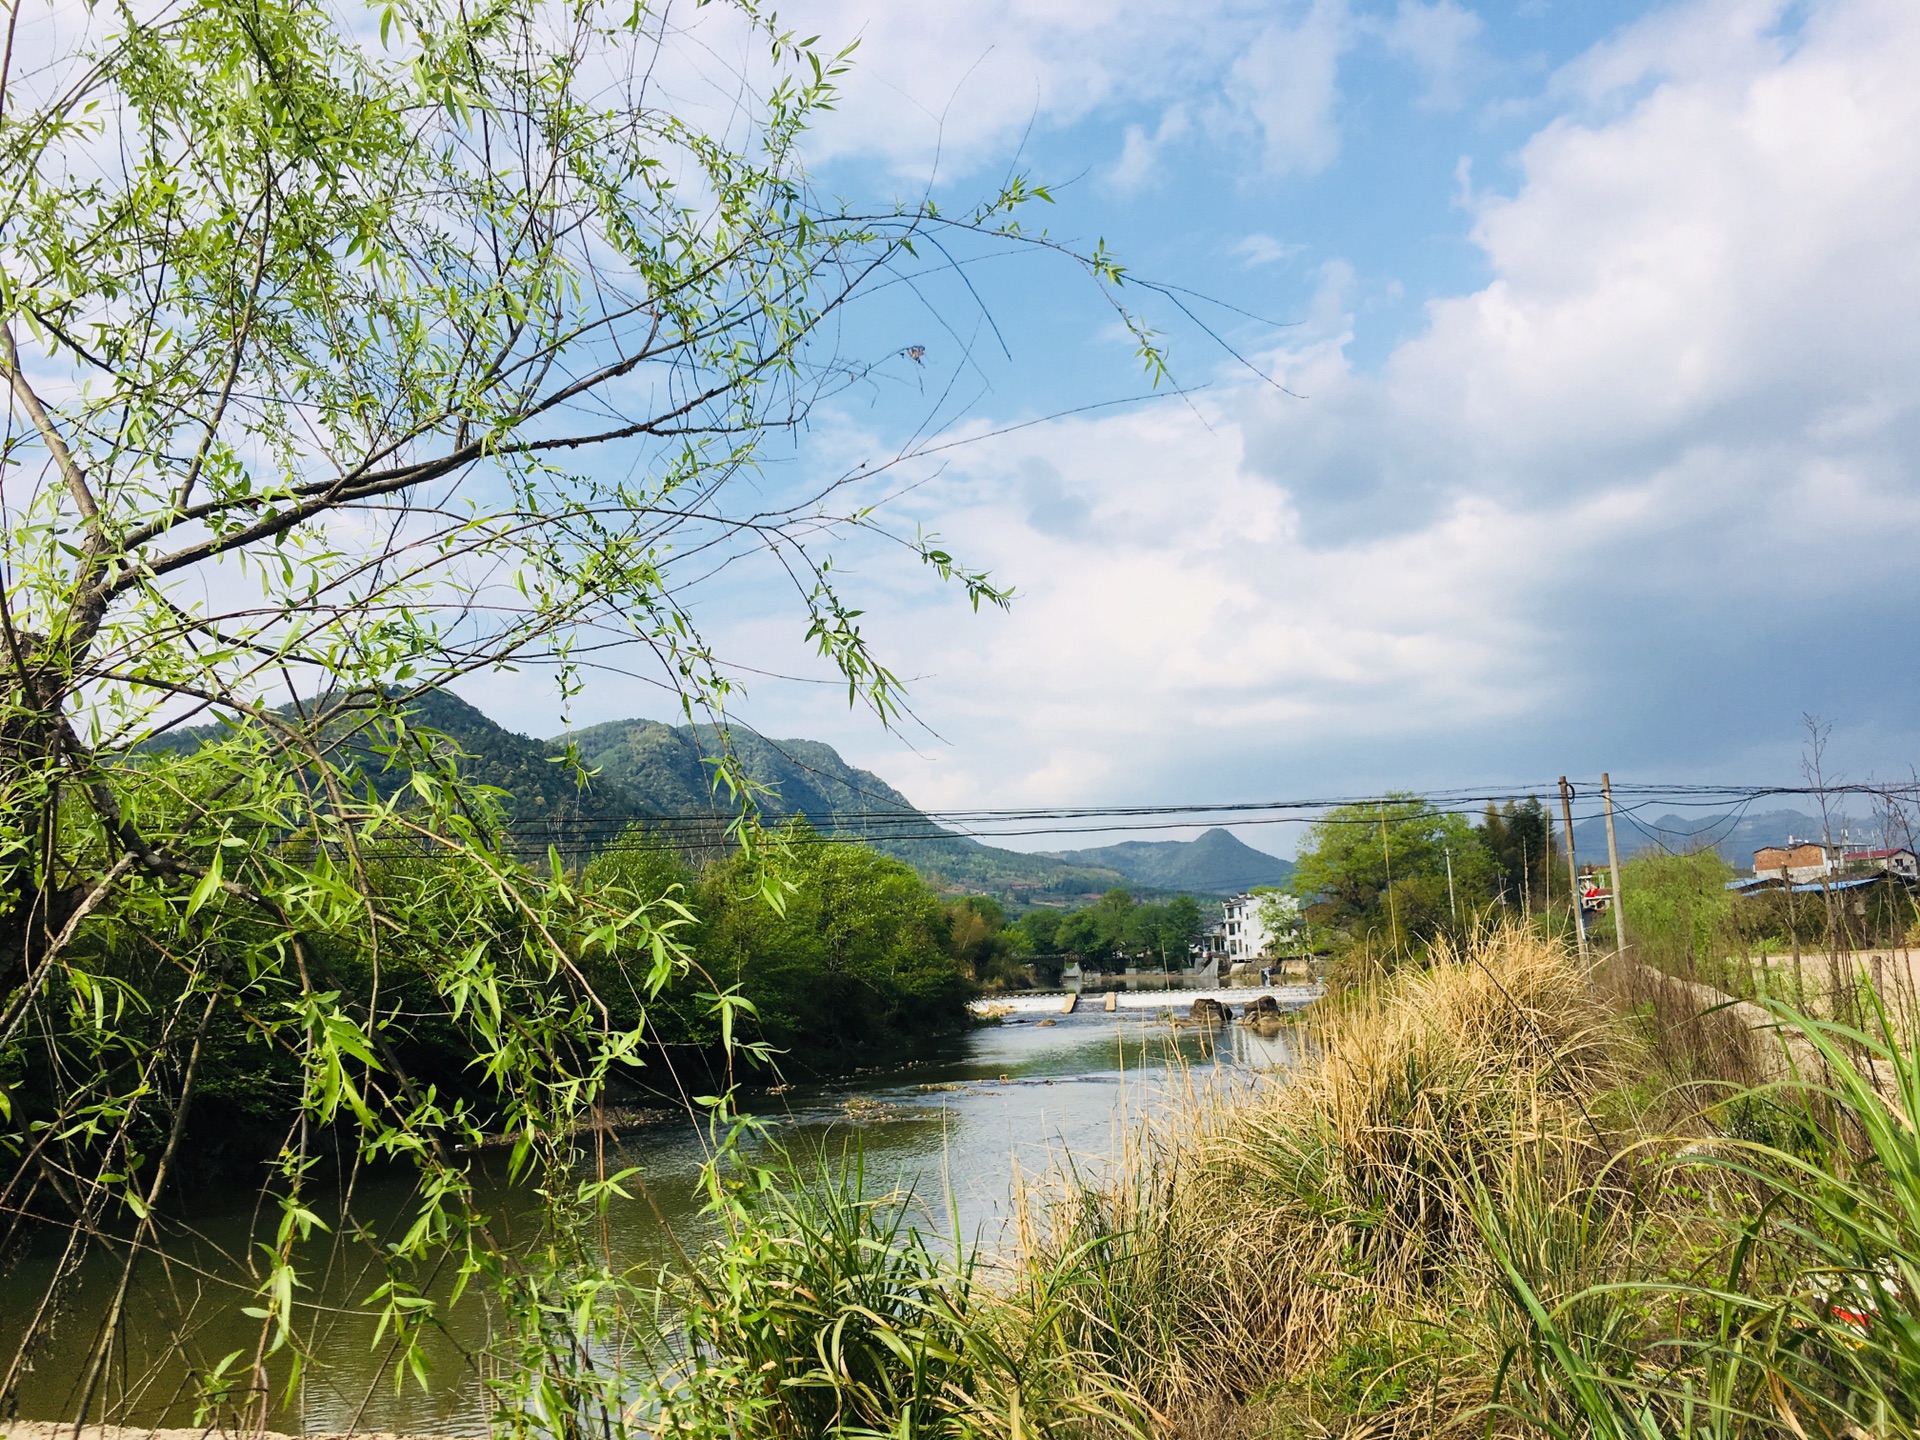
1604, 322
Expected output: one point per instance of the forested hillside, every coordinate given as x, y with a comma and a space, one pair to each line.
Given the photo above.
1215, 863
544, 801
665, 768
645, 770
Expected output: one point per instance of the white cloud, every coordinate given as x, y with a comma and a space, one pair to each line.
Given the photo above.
1256, 250
1721, 265
1166, 591
960, 85
1139, 161
1438, 41
1651, 491
1726, 260
1667, 451
964, 82
1287, 84
1700, 43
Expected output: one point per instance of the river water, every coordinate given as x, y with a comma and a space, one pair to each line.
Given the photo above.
957, 1125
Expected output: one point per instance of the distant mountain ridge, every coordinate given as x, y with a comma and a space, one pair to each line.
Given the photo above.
1735, 836
665, 765
665, 768
646, 769
1214, 863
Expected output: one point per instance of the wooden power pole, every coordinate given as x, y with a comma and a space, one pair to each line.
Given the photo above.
1573, 868
1613, 866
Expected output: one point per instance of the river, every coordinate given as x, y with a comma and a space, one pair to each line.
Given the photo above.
957, 1125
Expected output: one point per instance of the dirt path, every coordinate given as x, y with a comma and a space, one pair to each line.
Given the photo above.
1895, 974
1777, 1052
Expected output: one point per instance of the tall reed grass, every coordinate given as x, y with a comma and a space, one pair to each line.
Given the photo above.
1496, 1199
823, 1309
1811, 1325
1507, 1196
1318, 1248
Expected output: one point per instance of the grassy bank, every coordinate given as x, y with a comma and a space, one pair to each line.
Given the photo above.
1507, 1196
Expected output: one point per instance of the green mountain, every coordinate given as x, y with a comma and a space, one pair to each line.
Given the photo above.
1215, 863
643, 770
665, 767
545, 803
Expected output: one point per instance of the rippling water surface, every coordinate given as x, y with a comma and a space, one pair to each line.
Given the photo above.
956, 1125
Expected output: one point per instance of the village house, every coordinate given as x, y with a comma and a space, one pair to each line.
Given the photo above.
1796, 862
1801, 862
1898, 861
1240, 935
1211, 947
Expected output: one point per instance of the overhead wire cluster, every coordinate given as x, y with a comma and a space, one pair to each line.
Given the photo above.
577, 834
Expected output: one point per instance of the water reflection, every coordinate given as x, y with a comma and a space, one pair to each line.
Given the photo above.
956, 1126
1275, 1048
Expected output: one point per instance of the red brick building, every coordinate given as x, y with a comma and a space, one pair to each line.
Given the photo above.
1796, 862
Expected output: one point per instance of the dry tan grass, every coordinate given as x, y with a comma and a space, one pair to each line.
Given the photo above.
1323, 1233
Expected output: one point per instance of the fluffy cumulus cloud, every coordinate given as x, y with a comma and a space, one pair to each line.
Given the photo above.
1724, 268
1170, 603
958, 86
1658, 475
1638, 500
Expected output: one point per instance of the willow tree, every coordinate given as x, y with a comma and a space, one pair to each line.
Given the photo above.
347, 354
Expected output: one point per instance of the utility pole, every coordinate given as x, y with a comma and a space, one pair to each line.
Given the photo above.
1573, 869
1613, 864
1393, 911
1452, 904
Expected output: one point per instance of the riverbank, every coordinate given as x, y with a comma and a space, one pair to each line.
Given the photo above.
960, 1125
1313, 1255
1502, 1194
1508, 1195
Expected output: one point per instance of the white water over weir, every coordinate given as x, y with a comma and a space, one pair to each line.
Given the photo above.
1144, 1002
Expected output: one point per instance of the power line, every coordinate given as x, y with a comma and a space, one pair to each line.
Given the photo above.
1055, 819
639, 830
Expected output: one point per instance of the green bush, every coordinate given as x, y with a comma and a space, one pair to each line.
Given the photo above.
1680, 914
857, 958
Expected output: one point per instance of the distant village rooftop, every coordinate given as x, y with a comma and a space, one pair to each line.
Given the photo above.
1812, 862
